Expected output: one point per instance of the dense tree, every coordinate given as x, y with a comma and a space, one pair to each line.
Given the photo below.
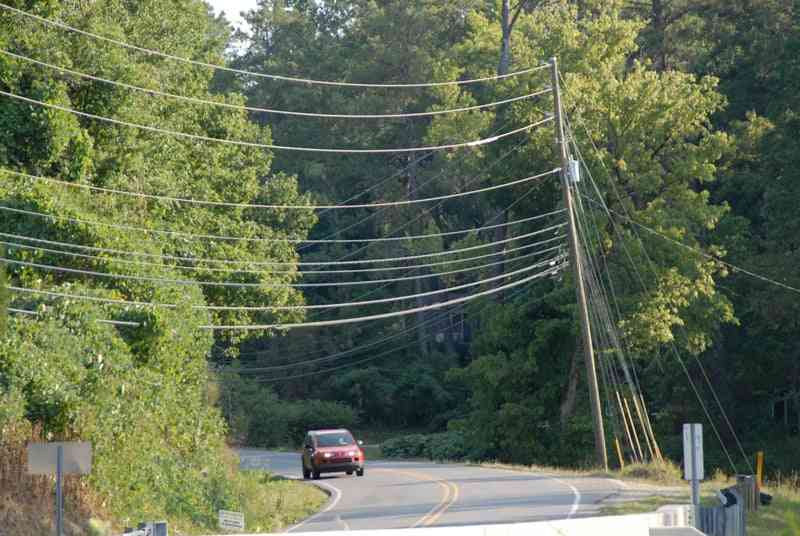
136, 390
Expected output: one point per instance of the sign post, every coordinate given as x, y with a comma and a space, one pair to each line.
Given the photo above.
71, 458
693, 467
59, 494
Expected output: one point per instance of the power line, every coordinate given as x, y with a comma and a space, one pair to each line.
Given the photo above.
185, 234
273, 263
306, 81
109, 301
513, 204
360, 348
227, 284
733, 267
16, 245
253, 263
348, 352
392, 314
242, 143
404, 202
111, 322
222, 104
424, 156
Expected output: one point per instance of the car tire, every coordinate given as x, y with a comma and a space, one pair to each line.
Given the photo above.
315, 475
306, 473
360, 472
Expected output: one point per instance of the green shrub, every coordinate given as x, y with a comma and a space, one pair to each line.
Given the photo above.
440, 447
258, 418
277, 423
408, 446
446, 446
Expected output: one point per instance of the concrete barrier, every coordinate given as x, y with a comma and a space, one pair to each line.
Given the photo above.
630, 525
676, 531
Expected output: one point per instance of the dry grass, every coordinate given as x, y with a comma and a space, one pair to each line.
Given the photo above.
27, 502
588, 472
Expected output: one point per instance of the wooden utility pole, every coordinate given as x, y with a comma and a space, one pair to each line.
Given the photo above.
575, 259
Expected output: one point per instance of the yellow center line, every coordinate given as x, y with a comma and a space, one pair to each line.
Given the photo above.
449, 497
447, 504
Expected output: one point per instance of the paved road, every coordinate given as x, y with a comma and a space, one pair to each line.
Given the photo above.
417, 494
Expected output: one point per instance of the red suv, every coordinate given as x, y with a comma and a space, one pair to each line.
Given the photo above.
331, 451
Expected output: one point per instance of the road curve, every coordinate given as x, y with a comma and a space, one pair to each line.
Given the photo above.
417, 494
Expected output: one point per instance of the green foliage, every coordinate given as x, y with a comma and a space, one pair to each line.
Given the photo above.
793, 525
139, 394
687, 113
408, 446
444, 446
259, 419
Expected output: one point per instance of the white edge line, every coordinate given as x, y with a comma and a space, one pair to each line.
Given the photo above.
576, 504
336, 495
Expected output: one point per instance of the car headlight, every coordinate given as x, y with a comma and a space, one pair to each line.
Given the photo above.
351, 453
328, 455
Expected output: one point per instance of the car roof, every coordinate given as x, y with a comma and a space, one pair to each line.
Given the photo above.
332, 431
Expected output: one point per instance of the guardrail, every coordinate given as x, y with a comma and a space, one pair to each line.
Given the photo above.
150, 528
730, 518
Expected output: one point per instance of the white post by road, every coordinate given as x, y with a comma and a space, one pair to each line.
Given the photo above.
693, 467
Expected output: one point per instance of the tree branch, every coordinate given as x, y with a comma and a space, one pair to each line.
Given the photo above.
517, 10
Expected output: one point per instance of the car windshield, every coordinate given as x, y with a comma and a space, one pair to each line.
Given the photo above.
338, 439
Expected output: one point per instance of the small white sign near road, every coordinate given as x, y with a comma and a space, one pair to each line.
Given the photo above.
693, 452
231, 520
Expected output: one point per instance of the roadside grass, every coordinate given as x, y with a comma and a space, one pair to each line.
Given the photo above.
781, 518
271, 504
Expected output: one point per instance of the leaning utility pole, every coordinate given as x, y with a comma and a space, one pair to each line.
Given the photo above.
575, 258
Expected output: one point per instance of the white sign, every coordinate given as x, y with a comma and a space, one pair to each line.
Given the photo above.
231, 520
77, 458
693, 452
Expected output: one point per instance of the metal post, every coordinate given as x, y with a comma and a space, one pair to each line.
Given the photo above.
59, 492
695, 472
575, 257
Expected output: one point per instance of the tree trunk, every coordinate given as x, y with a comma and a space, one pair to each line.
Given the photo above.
411, 192
570, 396
503, 67
505, 46
659, 18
